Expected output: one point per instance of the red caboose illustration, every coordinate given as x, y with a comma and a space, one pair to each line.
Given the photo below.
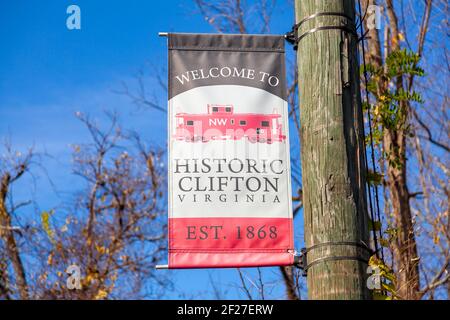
222, 123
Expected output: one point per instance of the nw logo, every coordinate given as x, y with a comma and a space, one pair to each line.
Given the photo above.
217, 122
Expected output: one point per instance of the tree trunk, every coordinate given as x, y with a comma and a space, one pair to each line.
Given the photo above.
406, 263
10, 243
332, 137
289, 281
405, 249
404, 245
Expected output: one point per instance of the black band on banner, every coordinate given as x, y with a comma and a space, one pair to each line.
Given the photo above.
293, 37
225, 42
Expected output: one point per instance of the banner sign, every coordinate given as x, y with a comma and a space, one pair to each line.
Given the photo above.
229, 170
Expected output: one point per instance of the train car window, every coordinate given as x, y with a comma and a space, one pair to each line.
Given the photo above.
189, 123
264, 123
242, 122
232, 121
215, 109
228, 109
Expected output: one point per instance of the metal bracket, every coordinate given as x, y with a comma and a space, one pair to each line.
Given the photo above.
293, 38
301, 260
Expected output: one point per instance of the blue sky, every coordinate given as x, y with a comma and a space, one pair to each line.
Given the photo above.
48, 72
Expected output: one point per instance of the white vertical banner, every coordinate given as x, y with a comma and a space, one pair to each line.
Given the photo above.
229, 164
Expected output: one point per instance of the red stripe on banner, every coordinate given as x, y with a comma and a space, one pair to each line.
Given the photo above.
228, 242
183, 260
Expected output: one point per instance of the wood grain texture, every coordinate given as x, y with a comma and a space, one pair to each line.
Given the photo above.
333, 169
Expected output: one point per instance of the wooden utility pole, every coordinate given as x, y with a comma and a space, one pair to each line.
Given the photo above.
333, 167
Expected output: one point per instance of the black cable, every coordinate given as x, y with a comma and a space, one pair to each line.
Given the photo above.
369, 119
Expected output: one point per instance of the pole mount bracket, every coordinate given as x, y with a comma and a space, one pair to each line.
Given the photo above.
294, 38
301, 260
